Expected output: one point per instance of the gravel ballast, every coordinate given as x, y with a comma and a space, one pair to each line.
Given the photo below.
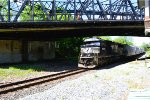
89, 87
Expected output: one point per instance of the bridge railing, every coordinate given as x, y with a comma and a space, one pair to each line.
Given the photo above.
69, 10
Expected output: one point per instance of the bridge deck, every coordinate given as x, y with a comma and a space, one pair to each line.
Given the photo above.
67, 29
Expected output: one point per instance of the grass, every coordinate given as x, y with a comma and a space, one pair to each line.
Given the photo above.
29, 67
18, 71
134, 85
148, 53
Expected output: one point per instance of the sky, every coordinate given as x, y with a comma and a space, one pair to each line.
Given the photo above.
138, 41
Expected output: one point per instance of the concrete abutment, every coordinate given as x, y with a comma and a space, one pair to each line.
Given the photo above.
18, 51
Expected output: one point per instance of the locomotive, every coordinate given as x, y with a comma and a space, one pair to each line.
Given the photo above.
97, 52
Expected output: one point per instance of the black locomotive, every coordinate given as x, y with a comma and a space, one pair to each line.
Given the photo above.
96, 52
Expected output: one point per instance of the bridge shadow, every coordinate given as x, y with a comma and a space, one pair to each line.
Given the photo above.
54, 65
58, 65
113, 64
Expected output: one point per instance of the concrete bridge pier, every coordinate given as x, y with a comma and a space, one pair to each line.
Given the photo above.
24, 50
17, 51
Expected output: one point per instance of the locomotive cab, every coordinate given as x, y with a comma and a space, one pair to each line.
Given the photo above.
89, 53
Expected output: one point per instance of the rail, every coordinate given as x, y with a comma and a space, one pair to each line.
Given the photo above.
10, 87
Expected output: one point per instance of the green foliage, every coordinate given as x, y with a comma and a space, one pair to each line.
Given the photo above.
105, 38
148, 53
38, 13
65, 17
19, 71
69, 47
124, 40
3, 4
4, 9
146, 46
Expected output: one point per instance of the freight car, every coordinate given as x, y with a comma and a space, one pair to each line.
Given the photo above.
96, 52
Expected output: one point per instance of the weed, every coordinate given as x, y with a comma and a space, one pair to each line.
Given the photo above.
19, 71
96, 76
134, 85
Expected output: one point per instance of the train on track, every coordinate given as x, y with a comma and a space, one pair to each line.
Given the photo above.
97, 52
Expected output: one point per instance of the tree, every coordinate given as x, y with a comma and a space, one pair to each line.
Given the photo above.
69, 47
105, 38
65, 17
124, 40
4, 9
146, 46
38, 13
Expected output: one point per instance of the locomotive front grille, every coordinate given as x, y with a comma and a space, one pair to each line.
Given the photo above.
86, 61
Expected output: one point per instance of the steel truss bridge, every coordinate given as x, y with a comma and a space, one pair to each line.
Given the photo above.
50, 15
69, 10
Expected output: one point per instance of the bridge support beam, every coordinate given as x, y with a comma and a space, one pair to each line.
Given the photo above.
147, 17
147, 9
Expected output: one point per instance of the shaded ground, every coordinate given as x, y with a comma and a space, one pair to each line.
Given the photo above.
11, 73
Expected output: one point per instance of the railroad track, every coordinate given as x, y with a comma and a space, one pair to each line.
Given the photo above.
10, 87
